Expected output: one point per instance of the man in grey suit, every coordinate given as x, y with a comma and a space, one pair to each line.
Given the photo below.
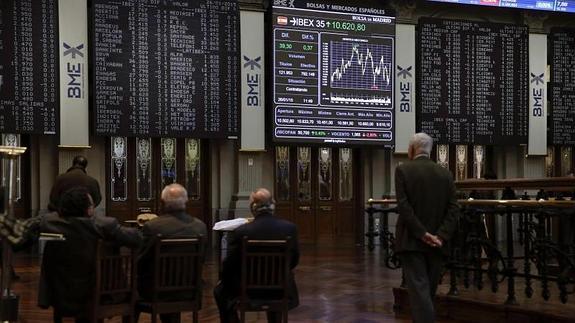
174, 222
428, 213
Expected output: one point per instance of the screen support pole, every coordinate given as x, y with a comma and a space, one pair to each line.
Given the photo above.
8, 300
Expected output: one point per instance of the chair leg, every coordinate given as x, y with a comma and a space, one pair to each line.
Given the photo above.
154, 316
242, 316
195, 316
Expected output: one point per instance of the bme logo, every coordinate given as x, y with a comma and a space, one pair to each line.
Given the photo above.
405, 88
537, 94
74, 70
284, 3
253, 81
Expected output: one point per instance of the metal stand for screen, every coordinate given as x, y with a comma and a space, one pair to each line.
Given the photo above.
9, 301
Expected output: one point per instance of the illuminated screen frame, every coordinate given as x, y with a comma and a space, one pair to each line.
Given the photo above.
542, 5
318, 103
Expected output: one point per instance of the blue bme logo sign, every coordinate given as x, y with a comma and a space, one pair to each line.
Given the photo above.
74, 71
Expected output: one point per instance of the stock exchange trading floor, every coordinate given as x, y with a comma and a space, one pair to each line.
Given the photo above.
335, 285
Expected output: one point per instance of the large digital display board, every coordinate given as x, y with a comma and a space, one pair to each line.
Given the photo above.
166, 68
332, 73
562, 87
549, 5
29, 73
473, 82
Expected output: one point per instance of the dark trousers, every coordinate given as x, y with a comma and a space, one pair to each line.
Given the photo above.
59, 319
226, 307
170, 318
566, 238
422, 271
165, 318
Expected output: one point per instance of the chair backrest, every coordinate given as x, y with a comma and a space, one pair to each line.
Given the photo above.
116, 274
80, 276
265, 269
68, 275
178, 268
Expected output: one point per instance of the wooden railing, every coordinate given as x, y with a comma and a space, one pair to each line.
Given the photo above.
534, 252
548, 184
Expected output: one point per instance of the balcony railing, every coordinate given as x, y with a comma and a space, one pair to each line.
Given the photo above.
538, 245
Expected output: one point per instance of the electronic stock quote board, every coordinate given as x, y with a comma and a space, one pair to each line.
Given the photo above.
547, 5
29, 73
562, 87
473, 82
332, 74
166, 68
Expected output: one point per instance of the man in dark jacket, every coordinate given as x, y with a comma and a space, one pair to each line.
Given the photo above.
67, 278
75, 176
174, 222
265, 226
428, 214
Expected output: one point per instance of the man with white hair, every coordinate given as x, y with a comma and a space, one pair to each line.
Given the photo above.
428, 213
174, 222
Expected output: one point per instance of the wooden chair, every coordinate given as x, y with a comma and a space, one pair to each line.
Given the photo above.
114, 281
176, 285
264, 277
115, 290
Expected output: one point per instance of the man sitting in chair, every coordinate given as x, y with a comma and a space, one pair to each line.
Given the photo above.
265, 226
67, 278
174, 222
77, 207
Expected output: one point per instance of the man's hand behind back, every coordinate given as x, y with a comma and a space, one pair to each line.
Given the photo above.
432, 240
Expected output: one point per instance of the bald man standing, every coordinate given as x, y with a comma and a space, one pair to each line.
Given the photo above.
174, 222
428, 213
265, 226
